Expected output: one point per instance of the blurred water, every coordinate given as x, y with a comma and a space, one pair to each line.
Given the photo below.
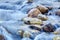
12, 11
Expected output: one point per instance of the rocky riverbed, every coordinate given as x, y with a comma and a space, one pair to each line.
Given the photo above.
29, 20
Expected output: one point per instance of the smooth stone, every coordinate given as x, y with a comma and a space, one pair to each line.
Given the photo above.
33, 12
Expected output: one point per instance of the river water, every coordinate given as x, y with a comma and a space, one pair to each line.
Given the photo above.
12, 11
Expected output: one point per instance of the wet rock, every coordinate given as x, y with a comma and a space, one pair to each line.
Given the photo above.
24, 33
33, 12
42, 17
2, 37
32, 21
42, 9
58, 12
48, 28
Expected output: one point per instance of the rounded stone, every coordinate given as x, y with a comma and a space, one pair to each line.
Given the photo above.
33, 12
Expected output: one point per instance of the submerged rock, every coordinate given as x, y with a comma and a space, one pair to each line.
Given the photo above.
48, 28
33, 12
42, 17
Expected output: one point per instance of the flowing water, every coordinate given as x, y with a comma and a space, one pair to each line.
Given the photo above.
12, 11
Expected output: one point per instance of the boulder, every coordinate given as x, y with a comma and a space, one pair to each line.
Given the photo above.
33, 12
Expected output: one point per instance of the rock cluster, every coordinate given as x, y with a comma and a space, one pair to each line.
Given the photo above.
35, 19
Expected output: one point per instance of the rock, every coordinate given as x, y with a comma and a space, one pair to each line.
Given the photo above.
42, 9
26, 34
21, 32
2, 37
48, 28
42, 17
33, 12
56, 38
32, 21
58, 12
